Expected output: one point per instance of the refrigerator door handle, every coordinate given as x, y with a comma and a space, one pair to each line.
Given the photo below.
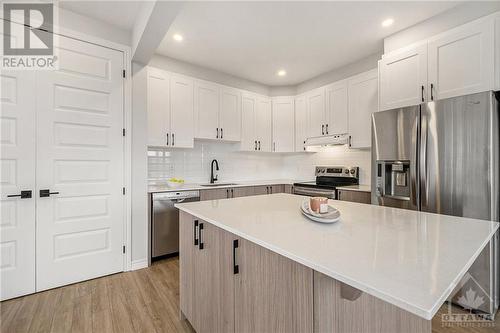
422, 161
414, 163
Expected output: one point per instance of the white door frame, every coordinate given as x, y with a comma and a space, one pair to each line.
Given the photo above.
127, 125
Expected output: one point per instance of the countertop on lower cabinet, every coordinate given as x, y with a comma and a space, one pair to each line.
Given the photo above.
410, 259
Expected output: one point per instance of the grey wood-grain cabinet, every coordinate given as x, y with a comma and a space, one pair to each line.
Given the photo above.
354, 196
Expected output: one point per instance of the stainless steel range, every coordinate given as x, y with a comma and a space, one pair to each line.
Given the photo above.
327, 180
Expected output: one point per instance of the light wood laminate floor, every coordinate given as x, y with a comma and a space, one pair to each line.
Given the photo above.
145, 300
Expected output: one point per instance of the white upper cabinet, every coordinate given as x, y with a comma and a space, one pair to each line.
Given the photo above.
283, 124
403, 78
461, 61
181, 112
300, 123
336, 108
316, 110
158, 102
263, 124
230, 114
363, 101
248, 115
206, 110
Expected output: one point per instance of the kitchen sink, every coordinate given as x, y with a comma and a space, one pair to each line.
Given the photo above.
218, 184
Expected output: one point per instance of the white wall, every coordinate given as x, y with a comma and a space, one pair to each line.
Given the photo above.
89, 26
354, 68
203, 73
452, 18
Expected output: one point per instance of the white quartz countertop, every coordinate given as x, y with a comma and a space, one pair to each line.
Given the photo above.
236, 183
359, 188
407, 258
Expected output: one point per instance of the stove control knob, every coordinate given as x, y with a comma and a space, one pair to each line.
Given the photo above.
346, 171
353, 171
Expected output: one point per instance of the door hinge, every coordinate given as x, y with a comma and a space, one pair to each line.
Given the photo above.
123, 249
124, 191
123, 131
124, 73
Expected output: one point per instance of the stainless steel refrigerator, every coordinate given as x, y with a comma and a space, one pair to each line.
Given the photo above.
443, 157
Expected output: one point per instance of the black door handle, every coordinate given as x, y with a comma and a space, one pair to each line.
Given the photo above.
200, 245
194, 232
236, 268
46, 193
23, 195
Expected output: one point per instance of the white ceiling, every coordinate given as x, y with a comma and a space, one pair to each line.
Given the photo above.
121, 14
253, 40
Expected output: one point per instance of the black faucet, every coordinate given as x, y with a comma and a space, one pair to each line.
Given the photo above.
212, 178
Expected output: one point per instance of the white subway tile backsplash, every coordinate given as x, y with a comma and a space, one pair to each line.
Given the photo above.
193, 164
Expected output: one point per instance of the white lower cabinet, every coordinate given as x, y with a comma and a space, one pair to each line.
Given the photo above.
301, 125
363, 101
283, 124
74, 176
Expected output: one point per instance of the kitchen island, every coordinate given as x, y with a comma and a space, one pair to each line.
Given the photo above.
257, 264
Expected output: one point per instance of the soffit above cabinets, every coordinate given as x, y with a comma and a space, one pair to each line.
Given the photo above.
253, 40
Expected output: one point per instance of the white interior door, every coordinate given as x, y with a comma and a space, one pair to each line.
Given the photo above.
80, 159
230, 114
206, 110
248, 115
264, 123
158, 108
17, 169
181, 112
403, 78
283, 124
461, 62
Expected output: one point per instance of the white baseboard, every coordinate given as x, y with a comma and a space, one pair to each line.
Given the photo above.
138, 264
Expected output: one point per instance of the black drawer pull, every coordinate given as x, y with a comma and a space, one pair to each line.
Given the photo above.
200, 245
194, 232
46, 193
236, 268
23, 195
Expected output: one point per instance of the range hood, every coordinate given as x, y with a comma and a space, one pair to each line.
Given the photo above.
328, 140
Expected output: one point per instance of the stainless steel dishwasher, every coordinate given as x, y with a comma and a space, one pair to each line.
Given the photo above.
165, 221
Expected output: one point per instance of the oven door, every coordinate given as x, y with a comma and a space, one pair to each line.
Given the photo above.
314, 192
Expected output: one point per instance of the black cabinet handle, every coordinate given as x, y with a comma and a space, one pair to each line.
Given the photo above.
259, 144
432, 92
217, 136
236, 268
232, 193
46, 193
350, 143
173, 140
221, 133
200, 245
23, 195
255, 145
167, 139
271, 189
227, 193
423, 100
326, 126
194, 232
322, 129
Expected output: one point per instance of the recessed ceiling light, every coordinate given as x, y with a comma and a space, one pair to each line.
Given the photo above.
281, 72
387, 23
178, 37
